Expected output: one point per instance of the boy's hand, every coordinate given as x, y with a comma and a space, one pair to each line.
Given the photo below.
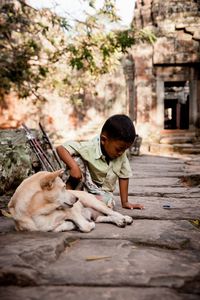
76, 172
132, 206
74, 178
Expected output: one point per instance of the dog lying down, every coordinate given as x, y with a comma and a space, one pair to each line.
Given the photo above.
42, 203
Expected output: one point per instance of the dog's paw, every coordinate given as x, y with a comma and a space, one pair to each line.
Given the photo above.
120, 221
87, 227
128, 219
92, 225
65, 226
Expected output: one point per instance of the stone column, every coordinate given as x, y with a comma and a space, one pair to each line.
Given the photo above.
160, 104
129, 72
193, 109
198, 104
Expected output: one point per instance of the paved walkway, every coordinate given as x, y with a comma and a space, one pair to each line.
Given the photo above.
157, 257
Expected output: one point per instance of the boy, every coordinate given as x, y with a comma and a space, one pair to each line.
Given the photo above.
105, 158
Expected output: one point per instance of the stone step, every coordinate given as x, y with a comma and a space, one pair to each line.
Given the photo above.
187, 148
174, 148
156, 148
177, 132
177, 139
183, 146
191, 150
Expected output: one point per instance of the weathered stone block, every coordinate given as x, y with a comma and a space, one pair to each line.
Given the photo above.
15, 159
191, 29
164, 51
146, 14
196, 35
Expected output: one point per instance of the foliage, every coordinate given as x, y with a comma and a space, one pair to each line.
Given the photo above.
39, 48
26, 47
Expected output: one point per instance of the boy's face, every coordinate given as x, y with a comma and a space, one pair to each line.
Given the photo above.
114, 148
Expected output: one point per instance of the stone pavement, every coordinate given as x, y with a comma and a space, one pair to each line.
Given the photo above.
157, 257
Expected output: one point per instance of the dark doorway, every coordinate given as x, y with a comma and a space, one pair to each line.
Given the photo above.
184, 120
170, 114
176, 105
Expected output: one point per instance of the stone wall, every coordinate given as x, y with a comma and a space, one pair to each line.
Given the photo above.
15, 161
60, 116
17, 158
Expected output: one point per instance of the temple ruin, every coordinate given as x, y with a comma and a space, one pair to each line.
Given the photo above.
165, 100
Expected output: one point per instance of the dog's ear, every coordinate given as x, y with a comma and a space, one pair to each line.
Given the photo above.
59, 172
47, 182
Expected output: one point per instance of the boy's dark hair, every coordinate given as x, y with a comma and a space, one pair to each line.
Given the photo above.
119, 127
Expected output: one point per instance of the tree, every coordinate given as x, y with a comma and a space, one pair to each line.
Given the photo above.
36, 44
26, 47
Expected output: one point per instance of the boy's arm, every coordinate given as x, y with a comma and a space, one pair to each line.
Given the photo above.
123, 188
66, 157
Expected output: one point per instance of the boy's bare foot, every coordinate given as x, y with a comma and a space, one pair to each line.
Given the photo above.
133, 206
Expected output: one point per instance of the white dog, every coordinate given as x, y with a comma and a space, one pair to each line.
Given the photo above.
42, 203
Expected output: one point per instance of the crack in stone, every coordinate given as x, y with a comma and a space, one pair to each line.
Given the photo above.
18, 276
190, 285
44, 254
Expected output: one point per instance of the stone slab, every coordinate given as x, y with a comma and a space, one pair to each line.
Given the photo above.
127, 264
140, 173
157, 160
123, 263
181, 207
92, 293
155, 181
171, 234
161, 191
35, 258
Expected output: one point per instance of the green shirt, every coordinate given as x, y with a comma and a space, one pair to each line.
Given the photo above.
103, 174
